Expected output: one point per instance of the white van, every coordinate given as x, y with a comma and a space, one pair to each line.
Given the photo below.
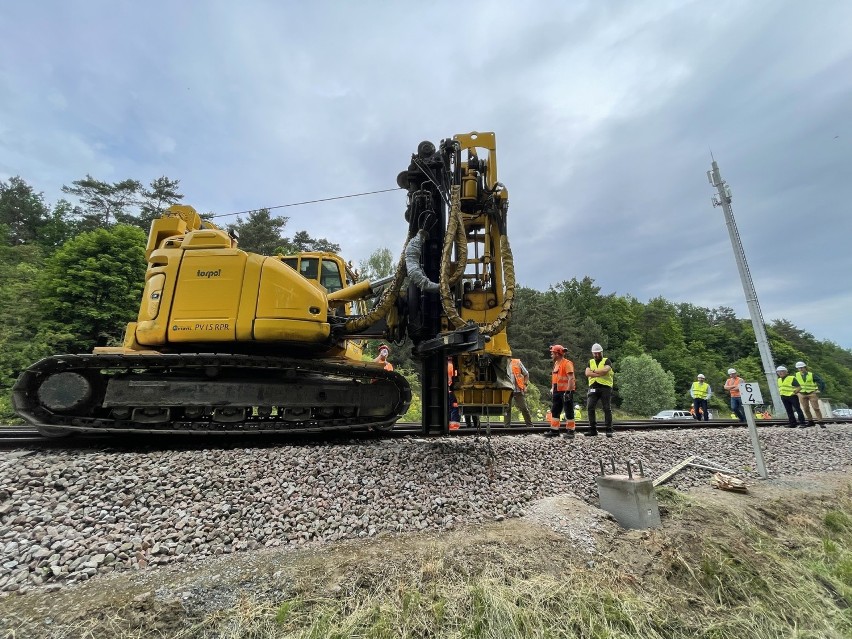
673, 414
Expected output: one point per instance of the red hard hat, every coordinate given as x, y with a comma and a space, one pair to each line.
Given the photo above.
556, 348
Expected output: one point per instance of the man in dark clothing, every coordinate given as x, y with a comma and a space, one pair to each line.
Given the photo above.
601, 378
789, 389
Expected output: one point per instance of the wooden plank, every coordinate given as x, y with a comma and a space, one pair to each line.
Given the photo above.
674, 470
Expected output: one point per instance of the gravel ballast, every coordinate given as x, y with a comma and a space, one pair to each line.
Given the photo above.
66, 516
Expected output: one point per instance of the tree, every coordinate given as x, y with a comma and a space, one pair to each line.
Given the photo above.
103, 201
22, 211
644, 387
380, 264
160, 194
263, 234
660, 326
59, 227
303, 242
91, 287
260, 232
581, 296
19, 301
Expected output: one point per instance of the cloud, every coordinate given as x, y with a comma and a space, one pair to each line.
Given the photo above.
605, 115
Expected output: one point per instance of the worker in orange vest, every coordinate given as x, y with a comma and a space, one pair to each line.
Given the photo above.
521, 378
382, 359
452, 402
563, 385
732, 385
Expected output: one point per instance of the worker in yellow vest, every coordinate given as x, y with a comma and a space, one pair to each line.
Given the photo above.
520, 377
562, 390
811, 386
700, 392
601, 378
789, 388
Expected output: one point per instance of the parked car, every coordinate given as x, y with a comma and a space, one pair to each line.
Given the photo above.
842, 412
673, 414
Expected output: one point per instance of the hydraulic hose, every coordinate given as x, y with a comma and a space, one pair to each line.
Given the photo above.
412, 253
386, 301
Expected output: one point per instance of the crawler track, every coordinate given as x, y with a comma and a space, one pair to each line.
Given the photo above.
209, 393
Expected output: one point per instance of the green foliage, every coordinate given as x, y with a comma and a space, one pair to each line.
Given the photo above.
22, 337
684, 338
644, 387
303, 242
415, 411
105, 203
160, 195
260, 232
91, 286
380, 264
22, 211
263, 234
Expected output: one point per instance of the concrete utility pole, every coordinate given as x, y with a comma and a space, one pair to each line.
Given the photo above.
724, 200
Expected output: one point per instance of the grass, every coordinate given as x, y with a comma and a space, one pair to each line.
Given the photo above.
778, 570
740, 582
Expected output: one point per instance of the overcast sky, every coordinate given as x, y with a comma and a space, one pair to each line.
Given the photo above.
605, 115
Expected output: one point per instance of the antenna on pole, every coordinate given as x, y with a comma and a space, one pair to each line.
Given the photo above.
724, 200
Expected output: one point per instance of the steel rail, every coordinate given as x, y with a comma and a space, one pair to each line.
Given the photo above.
22, 436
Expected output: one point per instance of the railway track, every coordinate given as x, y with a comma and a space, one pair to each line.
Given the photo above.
26, 436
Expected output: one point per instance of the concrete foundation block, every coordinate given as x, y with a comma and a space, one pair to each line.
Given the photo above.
632, 502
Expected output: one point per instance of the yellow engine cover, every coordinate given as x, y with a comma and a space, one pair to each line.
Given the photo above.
199, 289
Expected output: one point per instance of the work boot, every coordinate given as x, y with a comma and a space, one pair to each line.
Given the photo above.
811, 423
552, 433
592, 433
569, 434
822, 424
793, 425
609, 432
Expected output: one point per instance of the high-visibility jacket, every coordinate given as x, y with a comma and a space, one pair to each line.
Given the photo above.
607, 379
451, 372
785, 386
562, 376
806, 381
733, 386
700, 390
519, 375
386, 364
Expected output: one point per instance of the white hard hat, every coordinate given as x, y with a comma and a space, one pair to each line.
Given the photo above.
732, 371
801, 365
597, 348
700, 375
781, 368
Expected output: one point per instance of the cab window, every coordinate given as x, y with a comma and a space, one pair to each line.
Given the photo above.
331, 279
309, 267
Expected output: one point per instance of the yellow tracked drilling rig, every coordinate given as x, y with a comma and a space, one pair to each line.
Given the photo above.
232, 342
